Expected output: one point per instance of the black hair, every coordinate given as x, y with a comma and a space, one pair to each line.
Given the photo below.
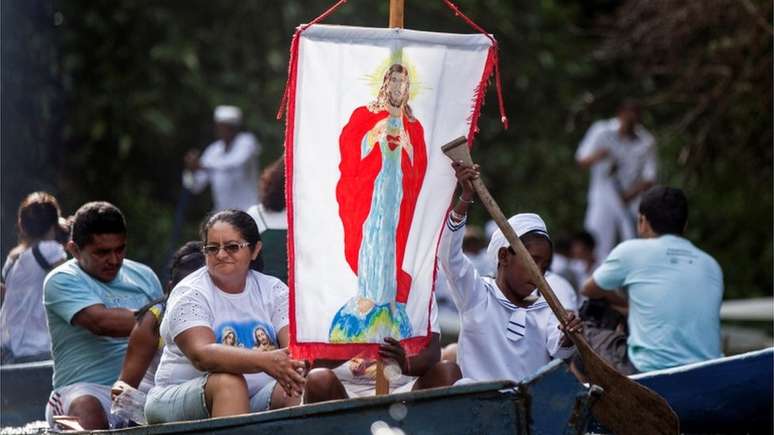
38, 212
98, 217
586, 239
241, 221
562, 245
666, 209
185, 260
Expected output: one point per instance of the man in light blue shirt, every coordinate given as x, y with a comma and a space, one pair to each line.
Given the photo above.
90, 303
674, 288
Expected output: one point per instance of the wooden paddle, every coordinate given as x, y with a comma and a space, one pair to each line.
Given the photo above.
625, 407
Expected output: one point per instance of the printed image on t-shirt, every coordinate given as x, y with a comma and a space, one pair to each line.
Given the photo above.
253, 334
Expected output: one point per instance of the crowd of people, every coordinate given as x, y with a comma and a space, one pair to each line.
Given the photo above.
213, 340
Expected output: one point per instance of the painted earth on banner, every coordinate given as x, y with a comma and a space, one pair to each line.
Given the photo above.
368, 186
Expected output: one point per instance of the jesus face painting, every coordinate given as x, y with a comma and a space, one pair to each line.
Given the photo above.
383, 164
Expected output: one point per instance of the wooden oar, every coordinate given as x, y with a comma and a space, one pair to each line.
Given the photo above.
625, 407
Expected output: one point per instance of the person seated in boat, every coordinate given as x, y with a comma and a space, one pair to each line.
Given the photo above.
330, 380
200, 374
90, 303
674, 289
507, 331
23, 328
145, 343
271, 217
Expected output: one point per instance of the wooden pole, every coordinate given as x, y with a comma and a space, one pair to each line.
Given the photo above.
396, 13
396, 20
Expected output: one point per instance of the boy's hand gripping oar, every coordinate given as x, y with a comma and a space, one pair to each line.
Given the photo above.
625, 407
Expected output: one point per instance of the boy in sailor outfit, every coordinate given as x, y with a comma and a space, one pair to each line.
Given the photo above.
507, 330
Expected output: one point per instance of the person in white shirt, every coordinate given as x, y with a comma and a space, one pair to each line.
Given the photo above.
211, 366
23, 327
507, 331
621, 155
229, 165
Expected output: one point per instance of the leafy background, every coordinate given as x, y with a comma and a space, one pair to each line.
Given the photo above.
101, 99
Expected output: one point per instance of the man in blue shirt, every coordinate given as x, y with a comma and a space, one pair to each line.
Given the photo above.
90, 303
674, 289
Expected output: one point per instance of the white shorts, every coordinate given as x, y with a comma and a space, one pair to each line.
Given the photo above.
366, 390
60, 399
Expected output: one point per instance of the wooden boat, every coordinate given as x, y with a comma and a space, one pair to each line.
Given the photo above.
724, 395
552, 402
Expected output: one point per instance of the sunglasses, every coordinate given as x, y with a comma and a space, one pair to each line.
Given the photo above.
230, 248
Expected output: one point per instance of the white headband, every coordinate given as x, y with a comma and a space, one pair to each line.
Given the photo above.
522, 224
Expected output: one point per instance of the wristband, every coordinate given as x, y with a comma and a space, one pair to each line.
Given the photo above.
456, 216
466, 201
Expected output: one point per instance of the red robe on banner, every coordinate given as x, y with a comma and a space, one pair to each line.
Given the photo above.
354, 190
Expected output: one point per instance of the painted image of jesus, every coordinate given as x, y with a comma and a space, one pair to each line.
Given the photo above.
383, 164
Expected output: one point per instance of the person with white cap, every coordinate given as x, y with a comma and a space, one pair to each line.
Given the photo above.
507, 330
621, 157
229, 165
563, 289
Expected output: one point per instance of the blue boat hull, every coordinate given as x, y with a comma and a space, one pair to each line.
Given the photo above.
727, 395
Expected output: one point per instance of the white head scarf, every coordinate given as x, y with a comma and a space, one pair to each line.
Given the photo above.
521, 223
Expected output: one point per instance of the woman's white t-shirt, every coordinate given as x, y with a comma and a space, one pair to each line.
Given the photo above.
250, 319
23, 325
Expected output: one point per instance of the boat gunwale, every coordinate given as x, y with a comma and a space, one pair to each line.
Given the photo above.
310, 410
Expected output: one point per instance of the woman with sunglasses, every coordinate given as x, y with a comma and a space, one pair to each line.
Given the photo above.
199, 376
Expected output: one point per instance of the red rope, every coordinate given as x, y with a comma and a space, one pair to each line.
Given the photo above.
498, 84
324, 15
294, 52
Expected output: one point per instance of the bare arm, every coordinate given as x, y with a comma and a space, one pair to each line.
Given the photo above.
108, 322
143, 344
592, 291
418, 364
427, 358
198, 344
636, 190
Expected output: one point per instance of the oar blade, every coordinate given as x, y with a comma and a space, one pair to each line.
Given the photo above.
626, 407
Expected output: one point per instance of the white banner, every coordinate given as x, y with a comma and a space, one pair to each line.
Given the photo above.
368, 185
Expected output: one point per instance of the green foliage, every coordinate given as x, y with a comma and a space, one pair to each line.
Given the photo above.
101, 100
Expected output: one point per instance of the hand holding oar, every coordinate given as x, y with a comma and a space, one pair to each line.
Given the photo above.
625, 407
